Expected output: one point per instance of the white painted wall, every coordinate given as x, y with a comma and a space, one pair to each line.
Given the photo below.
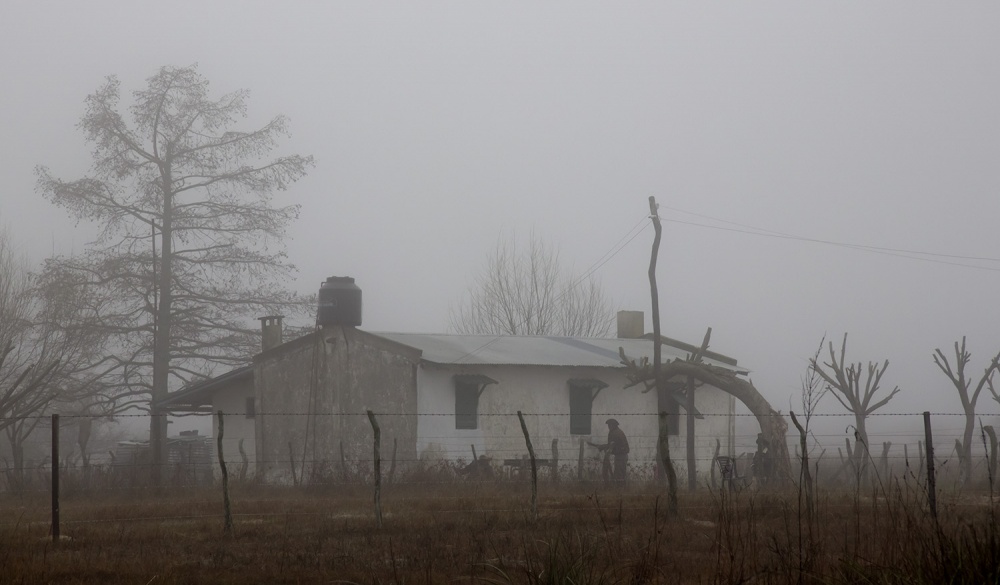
542, 393
232, 402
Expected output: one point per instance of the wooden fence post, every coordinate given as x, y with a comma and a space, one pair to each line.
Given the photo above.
931, 489
378, 469
554, 464
55, 478
228, 510
991, 467
534, 468
579, 462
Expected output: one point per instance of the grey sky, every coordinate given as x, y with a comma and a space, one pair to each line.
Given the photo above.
437, 125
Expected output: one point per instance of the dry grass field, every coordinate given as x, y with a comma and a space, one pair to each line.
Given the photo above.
465, 532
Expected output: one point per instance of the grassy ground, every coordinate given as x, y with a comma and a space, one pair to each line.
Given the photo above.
462, 532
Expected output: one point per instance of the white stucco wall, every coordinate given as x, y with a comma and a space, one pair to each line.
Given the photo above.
542, 393
232, 402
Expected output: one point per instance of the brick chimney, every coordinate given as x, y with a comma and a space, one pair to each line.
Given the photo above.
270, 330
631, 324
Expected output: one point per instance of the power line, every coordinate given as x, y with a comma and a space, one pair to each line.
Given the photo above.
935, 257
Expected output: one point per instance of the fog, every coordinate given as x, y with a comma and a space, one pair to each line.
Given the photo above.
801, 156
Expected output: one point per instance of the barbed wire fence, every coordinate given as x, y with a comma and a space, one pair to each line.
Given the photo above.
417, 473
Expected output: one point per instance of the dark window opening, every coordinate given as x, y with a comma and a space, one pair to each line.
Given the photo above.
466, 405
251, 409
581, 407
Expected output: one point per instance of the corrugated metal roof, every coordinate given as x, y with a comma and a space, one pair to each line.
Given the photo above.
200, 393
535, 350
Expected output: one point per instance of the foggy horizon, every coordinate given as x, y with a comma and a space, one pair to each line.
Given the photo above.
819, 169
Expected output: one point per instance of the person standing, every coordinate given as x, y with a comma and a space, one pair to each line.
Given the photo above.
618, 447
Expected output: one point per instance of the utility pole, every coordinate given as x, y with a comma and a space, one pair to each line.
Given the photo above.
653, 213
663, 443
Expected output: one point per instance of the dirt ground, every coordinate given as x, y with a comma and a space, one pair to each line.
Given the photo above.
464, 532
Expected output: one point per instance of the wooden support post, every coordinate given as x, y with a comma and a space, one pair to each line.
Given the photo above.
534, 468
931, 488
228, 510
55, 478
579, 462
378, 469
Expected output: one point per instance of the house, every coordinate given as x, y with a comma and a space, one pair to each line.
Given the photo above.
441, 396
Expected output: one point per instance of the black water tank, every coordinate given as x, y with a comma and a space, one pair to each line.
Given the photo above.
339, 302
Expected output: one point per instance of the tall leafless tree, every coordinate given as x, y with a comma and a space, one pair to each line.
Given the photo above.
844, 381
530, 292
962, 384
189, 249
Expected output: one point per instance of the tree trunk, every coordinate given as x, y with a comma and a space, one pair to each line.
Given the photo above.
161, 343
861, 451
965, 453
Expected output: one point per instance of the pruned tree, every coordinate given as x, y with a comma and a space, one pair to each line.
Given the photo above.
773, 427
189, 246
844, 381
967, 395
530, 292
661, 377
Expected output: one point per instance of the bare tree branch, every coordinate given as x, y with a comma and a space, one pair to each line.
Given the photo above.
528, 292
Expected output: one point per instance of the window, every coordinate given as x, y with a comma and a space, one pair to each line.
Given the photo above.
581, 406
466, 405
582, 392
468, 389
251, 408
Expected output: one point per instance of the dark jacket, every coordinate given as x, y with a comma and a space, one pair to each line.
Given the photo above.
617, 443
